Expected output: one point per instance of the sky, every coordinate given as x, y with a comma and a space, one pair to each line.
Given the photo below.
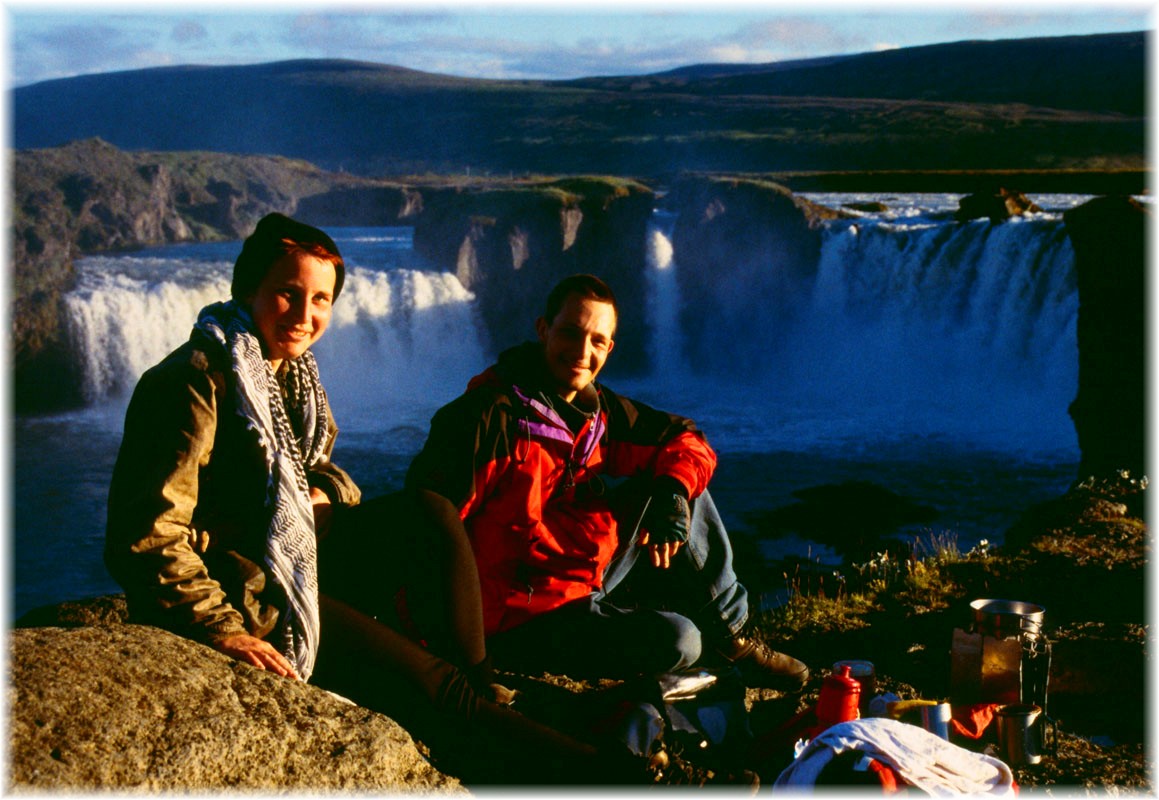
534, 40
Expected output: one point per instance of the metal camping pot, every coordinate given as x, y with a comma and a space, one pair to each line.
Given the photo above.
936, 720
1002, 656
1001, 618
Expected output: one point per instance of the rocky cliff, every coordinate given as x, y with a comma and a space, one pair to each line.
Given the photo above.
745, 249
98, 705
511, 245
1109, 236
89, 197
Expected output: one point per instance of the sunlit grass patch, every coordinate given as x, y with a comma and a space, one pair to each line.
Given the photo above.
822, 600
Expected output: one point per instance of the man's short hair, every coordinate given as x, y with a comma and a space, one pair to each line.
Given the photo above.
584, 285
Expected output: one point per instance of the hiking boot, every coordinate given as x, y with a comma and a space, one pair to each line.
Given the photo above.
762, 667
669, 769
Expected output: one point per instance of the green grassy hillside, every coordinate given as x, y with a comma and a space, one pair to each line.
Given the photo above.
1065, 103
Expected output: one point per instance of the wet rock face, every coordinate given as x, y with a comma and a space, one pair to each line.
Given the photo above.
131, 707
90, 197
744, 250
997, 206
1109, 412
511, 246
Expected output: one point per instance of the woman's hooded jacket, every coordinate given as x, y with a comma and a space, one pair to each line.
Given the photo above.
187, 516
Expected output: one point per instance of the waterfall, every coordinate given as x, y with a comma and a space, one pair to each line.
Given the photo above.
126, 313
663, 297
911, 328
950, 298
402, 337
970, 322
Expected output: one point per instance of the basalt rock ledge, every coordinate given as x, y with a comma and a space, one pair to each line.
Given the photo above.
97, 704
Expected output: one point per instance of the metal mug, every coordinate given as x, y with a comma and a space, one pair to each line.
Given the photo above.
936, 720
1022, 733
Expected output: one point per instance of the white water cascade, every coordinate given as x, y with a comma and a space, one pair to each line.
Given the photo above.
994, 303
973, 322
125, 314
399, 340
663, 298
912, 328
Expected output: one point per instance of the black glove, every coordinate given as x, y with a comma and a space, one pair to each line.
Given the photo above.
667, 517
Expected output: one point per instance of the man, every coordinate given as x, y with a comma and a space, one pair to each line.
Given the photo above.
521, 466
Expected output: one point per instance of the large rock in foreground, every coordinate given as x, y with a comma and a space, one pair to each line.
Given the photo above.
130, 707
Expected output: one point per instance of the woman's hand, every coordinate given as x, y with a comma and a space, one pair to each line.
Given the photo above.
323, 510
257, 652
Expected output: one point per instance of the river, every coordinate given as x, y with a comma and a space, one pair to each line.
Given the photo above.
938, 363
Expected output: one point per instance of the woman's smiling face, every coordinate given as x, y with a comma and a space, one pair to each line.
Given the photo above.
292, 305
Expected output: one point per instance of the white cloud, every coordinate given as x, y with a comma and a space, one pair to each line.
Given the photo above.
188, 31
68, 48
729, 53
511, 42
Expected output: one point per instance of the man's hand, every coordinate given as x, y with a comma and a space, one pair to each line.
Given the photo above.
661, 554
257, 652
664, 527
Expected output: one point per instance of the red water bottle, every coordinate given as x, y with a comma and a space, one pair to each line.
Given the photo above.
839, 698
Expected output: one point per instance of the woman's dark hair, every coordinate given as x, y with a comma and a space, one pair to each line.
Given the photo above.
588, 286
275, 237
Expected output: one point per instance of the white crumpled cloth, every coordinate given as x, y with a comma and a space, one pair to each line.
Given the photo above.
922, 759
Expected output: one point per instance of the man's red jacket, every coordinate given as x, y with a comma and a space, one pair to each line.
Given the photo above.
528, 488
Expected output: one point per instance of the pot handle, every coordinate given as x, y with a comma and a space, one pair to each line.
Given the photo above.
1048, 734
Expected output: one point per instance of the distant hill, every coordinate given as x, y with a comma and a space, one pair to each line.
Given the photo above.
703, 71
1068, 102
1104, 73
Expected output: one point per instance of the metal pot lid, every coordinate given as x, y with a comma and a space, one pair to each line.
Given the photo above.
990, 607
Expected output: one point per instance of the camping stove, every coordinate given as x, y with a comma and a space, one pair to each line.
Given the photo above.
1002, 656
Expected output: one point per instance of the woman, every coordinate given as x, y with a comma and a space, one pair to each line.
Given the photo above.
225, 460
223, 487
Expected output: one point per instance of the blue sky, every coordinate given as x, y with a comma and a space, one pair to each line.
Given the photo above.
531, 40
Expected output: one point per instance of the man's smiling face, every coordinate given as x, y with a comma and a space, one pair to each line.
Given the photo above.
577, 342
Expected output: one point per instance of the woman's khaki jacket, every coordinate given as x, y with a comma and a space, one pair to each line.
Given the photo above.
187, 521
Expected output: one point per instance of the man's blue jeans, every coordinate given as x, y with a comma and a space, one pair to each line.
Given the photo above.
617, 633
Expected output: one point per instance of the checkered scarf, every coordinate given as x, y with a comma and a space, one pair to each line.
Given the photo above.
291, 548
